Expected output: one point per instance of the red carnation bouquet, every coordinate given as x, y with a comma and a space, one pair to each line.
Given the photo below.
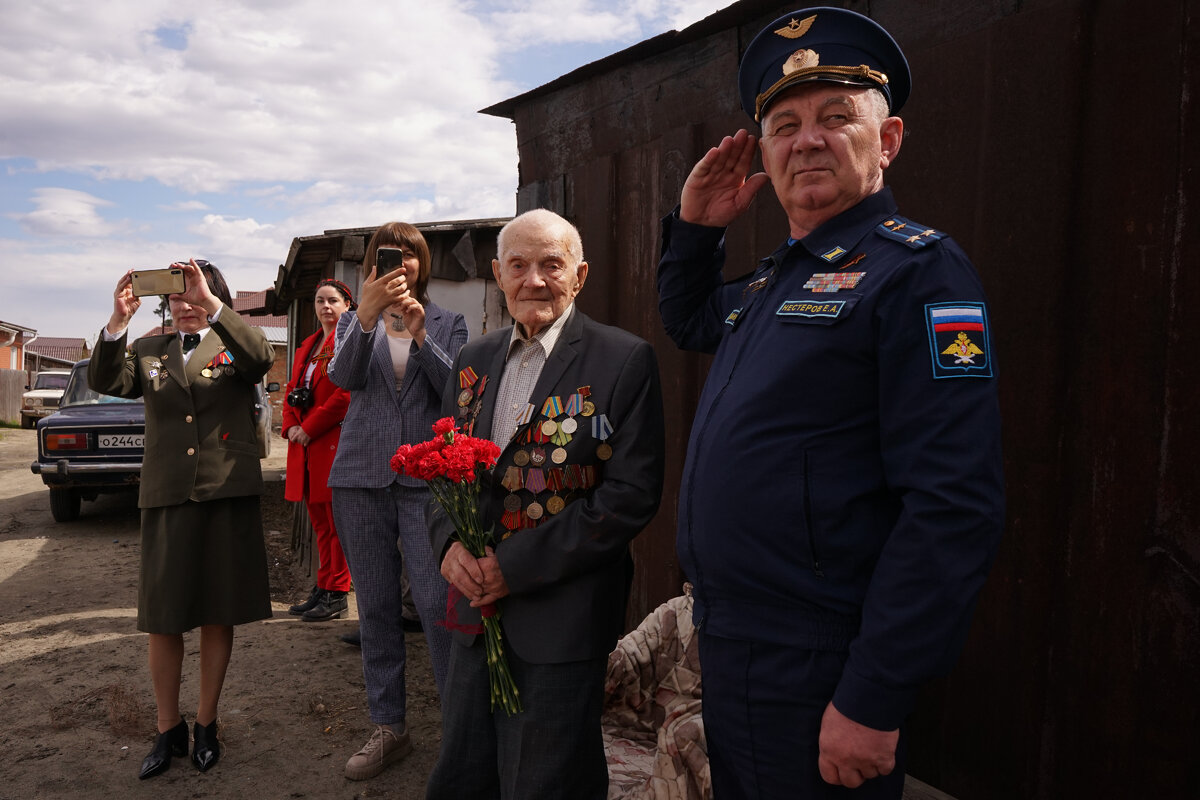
452, 463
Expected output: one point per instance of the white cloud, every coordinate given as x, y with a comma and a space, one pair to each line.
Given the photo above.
225, 128
185, 205
65, 212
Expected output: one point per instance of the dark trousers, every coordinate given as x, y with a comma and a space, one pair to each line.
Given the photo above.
762, 720
551, 750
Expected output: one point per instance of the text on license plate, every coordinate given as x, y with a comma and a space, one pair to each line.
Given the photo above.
122, 440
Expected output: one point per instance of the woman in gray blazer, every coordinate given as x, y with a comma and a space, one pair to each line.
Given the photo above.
394, 355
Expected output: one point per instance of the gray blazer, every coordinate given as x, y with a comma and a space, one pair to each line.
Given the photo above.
380, 419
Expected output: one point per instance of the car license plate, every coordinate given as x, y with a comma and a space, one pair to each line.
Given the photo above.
115, 440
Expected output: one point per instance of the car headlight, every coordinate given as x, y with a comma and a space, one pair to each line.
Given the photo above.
34, 402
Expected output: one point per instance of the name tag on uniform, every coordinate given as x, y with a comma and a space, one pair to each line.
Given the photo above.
809, 308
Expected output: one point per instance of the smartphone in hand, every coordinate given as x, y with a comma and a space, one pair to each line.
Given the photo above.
158, 281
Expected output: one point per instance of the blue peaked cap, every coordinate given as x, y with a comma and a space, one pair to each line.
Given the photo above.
822, 44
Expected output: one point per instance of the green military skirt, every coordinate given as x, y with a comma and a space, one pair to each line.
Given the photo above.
202, 564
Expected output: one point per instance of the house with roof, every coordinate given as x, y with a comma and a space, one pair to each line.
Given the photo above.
13, 340
49, 352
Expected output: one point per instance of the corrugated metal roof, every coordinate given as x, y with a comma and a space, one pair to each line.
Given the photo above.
61, 348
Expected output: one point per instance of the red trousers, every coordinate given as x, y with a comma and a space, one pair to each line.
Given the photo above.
332, 572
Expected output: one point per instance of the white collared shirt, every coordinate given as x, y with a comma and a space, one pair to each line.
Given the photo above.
522, 367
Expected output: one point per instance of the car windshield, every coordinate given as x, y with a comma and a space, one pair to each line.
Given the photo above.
78, 392
51, 381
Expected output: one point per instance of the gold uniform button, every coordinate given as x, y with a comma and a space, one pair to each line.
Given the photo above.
188, 418
191, 451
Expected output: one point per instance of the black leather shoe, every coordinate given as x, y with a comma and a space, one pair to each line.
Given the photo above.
314, 597
172, 743
205, 749
333, 605
354, 638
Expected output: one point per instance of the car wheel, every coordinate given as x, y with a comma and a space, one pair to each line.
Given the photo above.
64, 504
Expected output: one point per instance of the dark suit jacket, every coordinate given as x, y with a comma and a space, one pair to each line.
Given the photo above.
380, 419
569, 577
201, 441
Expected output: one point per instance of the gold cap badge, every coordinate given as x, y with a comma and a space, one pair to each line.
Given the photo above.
801, 59
794, 29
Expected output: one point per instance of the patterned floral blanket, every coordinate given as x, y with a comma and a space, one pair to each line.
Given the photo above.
653, 732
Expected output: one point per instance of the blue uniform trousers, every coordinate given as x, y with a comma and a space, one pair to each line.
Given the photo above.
762, 721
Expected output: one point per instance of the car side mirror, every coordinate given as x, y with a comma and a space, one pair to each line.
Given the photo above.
28, 387
272, 387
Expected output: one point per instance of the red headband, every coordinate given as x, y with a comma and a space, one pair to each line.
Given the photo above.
341, 287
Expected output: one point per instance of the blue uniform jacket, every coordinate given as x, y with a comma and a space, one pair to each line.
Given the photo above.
843, 487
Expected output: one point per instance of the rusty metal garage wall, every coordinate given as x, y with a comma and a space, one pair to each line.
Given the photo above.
1057, 142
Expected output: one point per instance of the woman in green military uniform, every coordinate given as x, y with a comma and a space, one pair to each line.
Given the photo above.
203, 561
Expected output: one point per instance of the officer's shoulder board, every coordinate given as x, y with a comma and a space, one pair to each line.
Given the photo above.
905, 231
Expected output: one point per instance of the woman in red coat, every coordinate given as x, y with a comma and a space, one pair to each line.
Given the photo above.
312, 423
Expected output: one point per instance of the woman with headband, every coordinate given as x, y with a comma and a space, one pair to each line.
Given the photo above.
312, 424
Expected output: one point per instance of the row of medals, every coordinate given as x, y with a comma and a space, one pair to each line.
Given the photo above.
158, 371
536, 456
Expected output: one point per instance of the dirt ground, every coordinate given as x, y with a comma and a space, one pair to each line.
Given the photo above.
76, 704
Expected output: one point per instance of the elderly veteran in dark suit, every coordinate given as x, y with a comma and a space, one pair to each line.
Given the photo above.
393, 354
203, 561
576, 408
843, 494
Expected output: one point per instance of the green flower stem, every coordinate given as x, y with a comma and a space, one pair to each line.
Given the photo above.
459, 502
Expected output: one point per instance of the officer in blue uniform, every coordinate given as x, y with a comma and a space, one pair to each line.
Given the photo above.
842, 498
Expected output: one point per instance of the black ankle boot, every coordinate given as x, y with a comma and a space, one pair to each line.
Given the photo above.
171, 743
333, 605
206, 749
314, 597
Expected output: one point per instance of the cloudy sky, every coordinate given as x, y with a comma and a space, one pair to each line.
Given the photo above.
138, 132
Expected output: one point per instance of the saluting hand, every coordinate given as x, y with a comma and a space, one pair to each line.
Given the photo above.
718, 190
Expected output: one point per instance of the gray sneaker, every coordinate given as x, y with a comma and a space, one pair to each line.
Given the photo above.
383, 749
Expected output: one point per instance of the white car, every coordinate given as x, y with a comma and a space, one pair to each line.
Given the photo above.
44, 395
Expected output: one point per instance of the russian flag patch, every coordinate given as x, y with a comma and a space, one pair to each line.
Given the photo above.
958, 340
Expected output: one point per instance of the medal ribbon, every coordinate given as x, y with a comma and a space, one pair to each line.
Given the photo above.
560, 436
223, 357
535, 480
526, 414
601, 427
574, 404
552, 407
512, 479
466, 377
573, 476
555, 479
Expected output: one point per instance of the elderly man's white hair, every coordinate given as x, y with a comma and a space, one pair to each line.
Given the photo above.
547, 220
